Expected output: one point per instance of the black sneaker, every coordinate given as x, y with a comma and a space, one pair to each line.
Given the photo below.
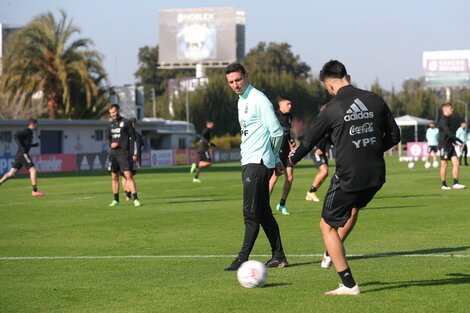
235, 265
277, 262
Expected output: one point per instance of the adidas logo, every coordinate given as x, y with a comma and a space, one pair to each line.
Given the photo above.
357, 111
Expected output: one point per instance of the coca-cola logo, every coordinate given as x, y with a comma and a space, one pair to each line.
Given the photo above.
362, 129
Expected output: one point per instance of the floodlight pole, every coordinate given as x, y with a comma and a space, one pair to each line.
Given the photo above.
187, 107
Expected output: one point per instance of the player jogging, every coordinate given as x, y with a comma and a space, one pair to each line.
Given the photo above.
205, 152
24, 140
362, 128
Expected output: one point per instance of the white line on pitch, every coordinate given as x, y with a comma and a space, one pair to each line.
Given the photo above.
91, 257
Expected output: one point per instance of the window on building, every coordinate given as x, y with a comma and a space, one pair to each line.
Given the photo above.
181, 143
5, 136
99, 135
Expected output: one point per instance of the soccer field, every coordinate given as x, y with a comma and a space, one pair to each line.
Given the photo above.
70, 252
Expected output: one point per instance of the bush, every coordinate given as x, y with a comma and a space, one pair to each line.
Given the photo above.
226, 141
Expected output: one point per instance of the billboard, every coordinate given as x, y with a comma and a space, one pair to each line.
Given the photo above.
201, 35
449, 68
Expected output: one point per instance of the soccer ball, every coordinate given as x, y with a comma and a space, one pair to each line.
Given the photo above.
435, 164
427, 165
411, 165
252, 274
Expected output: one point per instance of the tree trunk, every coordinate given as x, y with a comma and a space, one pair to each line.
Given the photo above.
52, 106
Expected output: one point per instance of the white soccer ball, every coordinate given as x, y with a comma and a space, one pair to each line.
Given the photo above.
252, 274
427, 165
435, 164
411, 165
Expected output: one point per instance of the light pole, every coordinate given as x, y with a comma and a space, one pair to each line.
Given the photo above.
465, 109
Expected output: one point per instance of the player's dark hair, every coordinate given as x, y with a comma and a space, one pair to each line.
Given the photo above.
32, 121
133, 121
235, 67
446, 104
333, 69
285, 98
115, 106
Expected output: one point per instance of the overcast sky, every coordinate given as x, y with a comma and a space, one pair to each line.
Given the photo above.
376, 40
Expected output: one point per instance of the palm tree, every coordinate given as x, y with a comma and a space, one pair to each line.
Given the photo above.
42, 59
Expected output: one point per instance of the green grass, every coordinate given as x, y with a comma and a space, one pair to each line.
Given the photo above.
410, 251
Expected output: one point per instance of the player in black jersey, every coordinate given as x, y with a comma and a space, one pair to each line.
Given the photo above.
121, 139
135, 162
288, 143
24, 140
205, 152
361, 128
447, 139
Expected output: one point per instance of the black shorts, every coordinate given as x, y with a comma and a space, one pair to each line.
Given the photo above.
339, 203
205, 156
133, 170
120, 163
319, 160
447, 153
432, 149
22, 159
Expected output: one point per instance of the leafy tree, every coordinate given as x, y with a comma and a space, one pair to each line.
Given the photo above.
43, 59
154, 79
276, 57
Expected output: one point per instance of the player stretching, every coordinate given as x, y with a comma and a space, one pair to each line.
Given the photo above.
24, 139
285, 119
205, 152
362, 128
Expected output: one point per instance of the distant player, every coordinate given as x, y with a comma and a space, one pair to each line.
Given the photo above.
447, 140
120, 138
320, 161
432, 137
285, 119
205, 152
24, 140
462, 134
135, 163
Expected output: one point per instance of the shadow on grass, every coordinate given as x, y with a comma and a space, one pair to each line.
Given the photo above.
416, 195
276, 285
451, 279
303, 263
433, 251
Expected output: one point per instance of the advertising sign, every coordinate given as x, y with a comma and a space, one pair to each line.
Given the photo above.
161, 158
447, 68
196, 35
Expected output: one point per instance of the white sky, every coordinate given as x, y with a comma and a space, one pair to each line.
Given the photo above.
381, 40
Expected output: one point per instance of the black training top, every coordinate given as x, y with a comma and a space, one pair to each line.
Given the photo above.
286, 122
446, 134
122, 132
206, 136
361, 128
24, 140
